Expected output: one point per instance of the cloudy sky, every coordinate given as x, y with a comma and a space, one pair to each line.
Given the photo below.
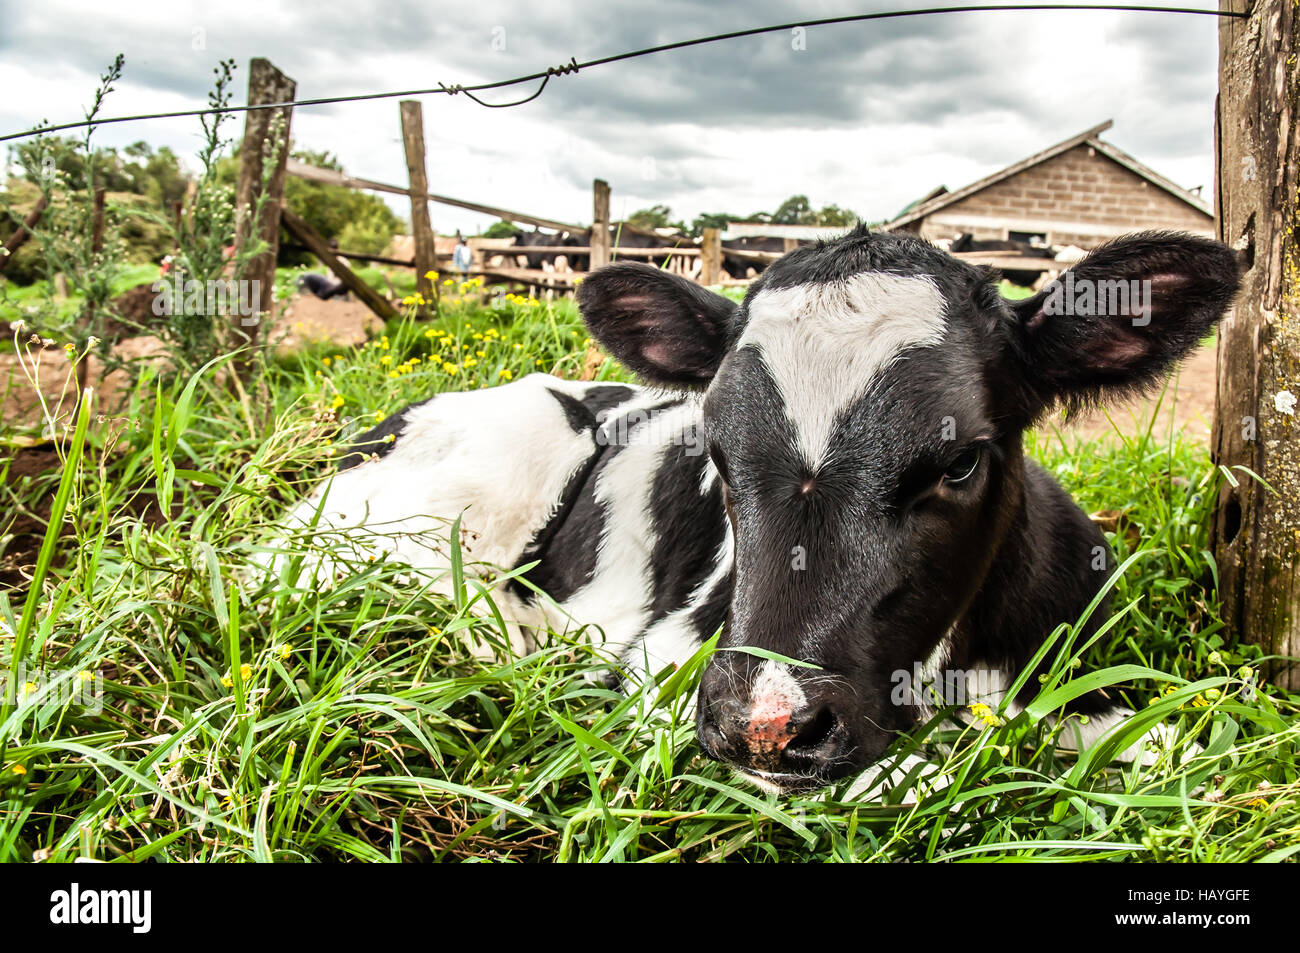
867, 116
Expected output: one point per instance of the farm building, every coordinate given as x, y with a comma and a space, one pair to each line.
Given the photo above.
793, 234
1081, 191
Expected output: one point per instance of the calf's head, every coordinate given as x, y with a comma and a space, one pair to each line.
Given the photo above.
864, 409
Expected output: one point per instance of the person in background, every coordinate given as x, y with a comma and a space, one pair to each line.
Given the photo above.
463, 257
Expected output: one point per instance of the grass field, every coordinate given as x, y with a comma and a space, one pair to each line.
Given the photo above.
173, 703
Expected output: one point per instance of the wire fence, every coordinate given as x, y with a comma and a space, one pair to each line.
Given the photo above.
573, 66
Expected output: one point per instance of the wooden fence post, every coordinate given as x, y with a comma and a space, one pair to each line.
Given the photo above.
97, 220
426, 255
711, 257
266, 84
600, 224
23, 232
1256, 533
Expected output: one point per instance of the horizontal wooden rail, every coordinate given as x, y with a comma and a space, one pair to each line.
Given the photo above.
332, 177
586, 250
1012, 262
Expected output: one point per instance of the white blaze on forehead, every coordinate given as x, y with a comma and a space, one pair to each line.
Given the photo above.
825, 343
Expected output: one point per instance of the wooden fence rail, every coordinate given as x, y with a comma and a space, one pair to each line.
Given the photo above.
332, 177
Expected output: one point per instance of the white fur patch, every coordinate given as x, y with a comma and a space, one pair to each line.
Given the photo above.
825, 343
776, 694
499, 458
619, 594
1076, 736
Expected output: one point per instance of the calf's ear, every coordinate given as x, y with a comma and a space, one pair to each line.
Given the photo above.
1122, 318
666, 329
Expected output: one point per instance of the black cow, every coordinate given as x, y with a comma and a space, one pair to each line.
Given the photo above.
738, 266
967, 242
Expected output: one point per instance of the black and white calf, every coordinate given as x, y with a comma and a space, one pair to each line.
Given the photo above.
832, 468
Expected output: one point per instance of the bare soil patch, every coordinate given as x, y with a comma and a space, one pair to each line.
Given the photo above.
1188, 406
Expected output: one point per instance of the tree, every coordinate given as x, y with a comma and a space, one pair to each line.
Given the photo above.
361, 222
712, 220
502, 229
834, 215
157, 175
796, 210
657, 216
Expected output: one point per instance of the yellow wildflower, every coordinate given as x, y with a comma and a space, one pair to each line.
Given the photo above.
985, 715
245, 673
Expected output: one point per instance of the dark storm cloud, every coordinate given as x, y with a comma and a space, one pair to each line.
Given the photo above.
960, 79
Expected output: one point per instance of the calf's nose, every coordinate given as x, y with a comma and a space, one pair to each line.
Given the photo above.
772, 727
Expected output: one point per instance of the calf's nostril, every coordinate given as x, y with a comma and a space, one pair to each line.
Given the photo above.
814, 731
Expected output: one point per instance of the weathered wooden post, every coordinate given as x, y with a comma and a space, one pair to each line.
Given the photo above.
426, 251
23, 231
97, 220
711, 256
1256, 532
266, 138
600, 224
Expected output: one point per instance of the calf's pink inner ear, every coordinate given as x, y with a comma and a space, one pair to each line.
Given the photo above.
1118, 352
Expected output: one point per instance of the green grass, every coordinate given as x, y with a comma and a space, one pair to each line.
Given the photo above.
244, 720
26, 301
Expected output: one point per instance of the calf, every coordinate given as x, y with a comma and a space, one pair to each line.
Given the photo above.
833, 468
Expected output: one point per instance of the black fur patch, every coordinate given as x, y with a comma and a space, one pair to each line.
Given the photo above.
690, 527
581, 413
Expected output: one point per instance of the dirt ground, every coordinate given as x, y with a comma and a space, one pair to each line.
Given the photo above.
1188, 405
342, 322
303, 320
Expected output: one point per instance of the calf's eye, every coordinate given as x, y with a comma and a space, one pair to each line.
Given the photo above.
964, 466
